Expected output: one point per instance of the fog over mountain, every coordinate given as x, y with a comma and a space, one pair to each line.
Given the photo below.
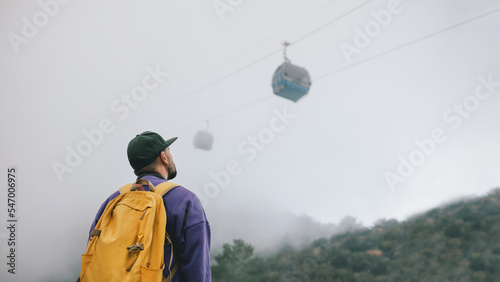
269, 230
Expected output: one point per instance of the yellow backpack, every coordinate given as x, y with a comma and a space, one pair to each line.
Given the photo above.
127, 243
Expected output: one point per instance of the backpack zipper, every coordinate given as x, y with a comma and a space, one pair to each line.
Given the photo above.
135, 247
132, 264
143, 214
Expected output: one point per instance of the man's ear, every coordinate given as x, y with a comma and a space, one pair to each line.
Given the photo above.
163, 157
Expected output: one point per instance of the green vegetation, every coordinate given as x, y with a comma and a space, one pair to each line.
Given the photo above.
459, 242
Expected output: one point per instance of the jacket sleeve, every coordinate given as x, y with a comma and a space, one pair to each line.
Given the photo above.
194, 256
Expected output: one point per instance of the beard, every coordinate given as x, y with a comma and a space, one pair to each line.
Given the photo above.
172, 171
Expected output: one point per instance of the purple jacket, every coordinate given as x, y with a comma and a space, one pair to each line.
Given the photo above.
188, 228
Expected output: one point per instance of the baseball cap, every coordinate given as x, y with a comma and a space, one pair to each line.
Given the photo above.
145, 148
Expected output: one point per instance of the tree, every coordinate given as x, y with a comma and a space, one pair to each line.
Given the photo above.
235, 263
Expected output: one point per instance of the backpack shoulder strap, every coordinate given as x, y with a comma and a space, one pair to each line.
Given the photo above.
126, 188
164, 187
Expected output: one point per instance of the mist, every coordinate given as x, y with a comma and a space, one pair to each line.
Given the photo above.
401, 115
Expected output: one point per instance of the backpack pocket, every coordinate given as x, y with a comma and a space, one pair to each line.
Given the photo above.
151, 274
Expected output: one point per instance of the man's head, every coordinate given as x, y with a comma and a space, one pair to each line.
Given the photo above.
149, 152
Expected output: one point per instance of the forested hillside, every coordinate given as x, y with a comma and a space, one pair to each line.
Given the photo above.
458, 242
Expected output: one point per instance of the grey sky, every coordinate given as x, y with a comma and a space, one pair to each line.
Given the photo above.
327, 161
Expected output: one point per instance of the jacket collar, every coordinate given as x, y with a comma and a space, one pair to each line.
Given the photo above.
156, 174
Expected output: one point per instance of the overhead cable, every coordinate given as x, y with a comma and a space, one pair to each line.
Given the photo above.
407, 44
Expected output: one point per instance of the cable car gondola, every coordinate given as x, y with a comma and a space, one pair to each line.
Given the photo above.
203, 140
290, 81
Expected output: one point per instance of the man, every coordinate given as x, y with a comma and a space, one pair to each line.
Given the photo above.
149, 155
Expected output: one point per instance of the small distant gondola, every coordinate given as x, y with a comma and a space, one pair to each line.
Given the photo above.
290, 81
203, 140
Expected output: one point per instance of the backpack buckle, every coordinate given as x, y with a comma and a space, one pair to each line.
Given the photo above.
136, 246
95, 232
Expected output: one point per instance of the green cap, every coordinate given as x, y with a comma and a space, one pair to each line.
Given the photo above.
145, 148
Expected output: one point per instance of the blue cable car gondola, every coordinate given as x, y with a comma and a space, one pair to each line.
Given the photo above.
290, 81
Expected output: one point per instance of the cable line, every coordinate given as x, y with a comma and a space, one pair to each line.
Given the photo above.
265, 57
330, 73
224, 78
332, 21
227, 112
407, 44
263, 41
362, 61
269, 55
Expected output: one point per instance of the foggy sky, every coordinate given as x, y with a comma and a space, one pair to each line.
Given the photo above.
328, 155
